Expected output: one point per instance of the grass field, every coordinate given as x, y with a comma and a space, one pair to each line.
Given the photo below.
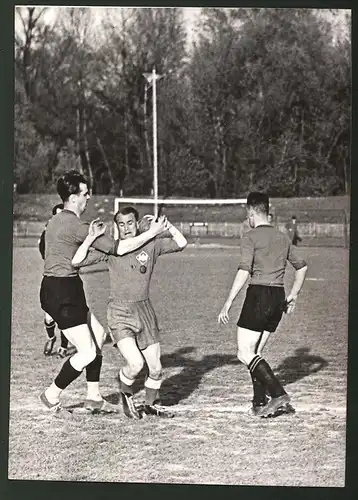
212, 439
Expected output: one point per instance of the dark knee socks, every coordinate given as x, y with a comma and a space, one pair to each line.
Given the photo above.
93, 370
64, 341
67, 375
261, 370
50, 329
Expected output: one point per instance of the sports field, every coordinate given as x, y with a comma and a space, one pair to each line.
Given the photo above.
212, 439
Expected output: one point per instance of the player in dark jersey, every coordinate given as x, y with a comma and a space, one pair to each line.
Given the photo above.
131, 317
62, 295
264, 255
49, 323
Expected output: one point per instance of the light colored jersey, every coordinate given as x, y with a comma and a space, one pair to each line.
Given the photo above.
130, 274
264, 253
65, 232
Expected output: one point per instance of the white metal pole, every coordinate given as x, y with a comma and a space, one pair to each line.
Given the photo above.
155, 154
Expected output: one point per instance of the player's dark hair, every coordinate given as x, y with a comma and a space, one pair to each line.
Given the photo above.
59, 206
259, 202
126, 211
69, 184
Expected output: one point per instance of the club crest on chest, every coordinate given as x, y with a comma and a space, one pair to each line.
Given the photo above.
142, 257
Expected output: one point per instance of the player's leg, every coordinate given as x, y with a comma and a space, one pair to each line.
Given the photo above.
153, 382
62, 350
260, 370
260, 398
247, 342
262, 342
280, 402
250, 336
134, 363
80, 337
94, 400
50, 326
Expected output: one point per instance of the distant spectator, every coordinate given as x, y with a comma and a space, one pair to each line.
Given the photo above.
270, 218
292, 231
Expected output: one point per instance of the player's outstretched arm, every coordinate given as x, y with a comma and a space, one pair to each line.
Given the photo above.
239, 282
177, 236
96, 229
131, 244
300, 276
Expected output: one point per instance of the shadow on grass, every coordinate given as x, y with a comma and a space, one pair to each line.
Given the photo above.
180, 386
302, 364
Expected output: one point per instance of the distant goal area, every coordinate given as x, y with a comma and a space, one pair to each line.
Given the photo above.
209, 220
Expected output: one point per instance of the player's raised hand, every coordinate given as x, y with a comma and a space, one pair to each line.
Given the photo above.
224, 314
96, 229
168, 225
144, 223
158, 226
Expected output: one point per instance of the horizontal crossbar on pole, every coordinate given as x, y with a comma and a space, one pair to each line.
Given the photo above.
185, 201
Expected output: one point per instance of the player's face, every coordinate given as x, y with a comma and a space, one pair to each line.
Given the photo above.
82, 197
127, 226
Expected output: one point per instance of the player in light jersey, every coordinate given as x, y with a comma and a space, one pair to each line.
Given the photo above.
264, 255
62, 295
130, 314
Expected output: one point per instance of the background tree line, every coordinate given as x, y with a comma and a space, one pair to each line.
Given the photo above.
260, 100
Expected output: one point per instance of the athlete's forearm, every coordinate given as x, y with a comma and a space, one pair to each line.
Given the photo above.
177, 236
239, 282
131, 244
300, 276
82, 251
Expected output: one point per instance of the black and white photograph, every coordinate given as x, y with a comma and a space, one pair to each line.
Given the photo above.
181, 245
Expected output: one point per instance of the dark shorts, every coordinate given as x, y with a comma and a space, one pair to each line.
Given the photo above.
64, 300
263, 308
135, 320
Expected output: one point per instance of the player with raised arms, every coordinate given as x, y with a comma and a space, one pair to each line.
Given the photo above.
264, 255
131, 317
62, 295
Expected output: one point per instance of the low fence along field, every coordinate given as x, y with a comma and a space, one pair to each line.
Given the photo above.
321, 221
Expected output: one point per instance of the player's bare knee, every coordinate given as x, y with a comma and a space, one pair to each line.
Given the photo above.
134, 367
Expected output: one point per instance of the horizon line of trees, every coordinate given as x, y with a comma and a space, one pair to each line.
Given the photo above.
262, 100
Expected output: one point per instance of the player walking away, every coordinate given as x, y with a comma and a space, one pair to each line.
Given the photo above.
264, 255
131, 317
50, 325
62, 295
292, 231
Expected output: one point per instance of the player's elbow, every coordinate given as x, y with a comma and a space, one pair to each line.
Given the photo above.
182, 243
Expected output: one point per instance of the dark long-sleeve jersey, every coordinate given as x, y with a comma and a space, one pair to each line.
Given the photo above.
65, 232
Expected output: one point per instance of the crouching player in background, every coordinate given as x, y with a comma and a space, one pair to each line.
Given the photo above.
131, 317
264, 255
